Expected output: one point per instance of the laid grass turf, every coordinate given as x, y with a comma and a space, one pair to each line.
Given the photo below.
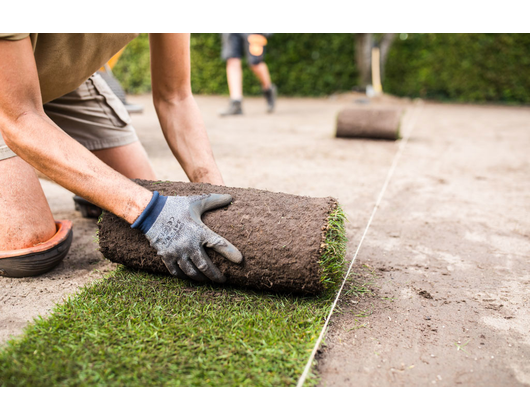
138, 329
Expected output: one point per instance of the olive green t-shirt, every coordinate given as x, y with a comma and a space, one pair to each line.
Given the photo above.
64, 61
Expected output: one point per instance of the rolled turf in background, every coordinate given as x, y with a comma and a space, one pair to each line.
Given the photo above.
371, 123
289, 243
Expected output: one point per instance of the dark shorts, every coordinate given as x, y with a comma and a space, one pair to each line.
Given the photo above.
252, 44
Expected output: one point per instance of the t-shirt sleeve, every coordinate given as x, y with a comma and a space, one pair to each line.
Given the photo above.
13, 37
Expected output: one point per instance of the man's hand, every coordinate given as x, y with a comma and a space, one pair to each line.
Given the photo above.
174, 228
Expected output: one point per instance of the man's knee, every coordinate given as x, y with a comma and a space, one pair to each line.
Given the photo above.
234, 61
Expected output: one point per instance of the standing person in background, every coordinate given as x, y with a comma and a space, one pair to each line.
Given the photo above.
232, 52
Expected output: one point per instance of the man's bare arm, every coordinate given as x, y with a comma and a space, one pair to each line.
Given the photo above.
36, 139
177, 110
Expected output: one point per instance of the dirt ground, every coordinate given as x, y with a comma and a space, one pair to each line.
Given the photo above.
449, 245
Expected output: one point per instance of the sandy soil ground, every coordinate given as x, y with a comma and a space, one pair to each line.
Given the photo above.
450, 242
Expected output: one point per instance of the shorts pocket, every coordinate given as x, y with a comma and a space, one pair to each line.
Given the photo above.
110, 103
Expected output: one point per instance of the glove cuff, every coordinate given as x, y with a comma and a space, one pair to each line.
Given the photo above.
150, 213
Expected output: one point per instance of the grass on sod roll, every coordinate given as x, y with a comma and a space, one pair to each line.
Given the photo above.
137, 329
334, 249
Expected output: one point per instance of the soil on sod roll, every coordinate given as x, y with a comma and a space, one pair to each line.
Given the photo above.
289, 243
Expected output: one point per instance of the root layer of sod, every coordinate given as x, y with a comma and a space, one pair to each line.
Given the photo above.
138, 329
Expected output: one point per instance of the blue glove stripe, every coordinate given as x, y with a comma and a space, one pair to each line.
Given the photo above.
150, 213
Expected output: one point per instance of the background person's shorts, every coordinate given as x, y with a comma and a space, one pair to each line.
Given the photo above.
252, 44
92, 114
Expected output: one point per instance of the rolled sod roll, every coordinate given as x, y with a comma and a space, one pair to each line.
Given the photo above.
361, 123
289, 243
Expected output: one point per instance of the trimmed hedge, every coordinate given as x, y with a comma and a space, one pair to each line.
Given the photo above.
461, 67
133, 68
300, 65
457, 67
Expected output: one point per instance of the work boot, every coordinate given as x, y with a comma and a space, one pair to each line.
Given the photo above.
270, 96
87, 209
234, 108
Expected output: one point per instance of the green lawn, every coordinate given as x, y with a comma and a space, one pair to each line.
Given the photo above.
137, 329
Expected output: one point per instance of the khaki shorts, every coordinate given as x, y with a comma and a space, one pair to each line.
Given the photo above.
92, 114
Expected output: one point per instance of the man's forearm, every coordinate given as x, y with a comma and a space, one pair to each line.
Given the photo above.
186, 135
177, 111
37, 140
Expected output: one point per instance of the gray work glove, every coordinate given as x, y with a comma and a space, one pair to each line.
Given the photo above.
179, 235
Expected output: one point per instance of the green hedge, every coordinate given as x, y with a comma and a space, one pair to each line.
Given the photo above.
300, 65
132, 69
461, 67
458, 67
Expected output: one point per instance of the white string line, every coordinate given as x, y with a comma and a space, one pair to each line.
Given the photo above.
402, 145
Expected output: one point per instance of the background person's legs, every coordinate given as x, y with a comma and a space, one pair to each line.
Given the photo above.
261, 71
234, 75
255, 51
25, 217
269, 90
232, 51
